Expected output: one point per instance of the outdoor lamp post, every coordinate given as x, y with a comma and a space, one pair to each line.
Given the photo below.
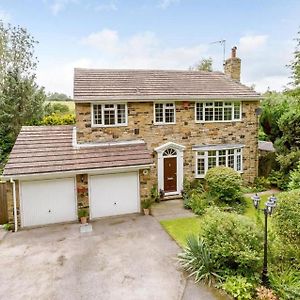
270, 205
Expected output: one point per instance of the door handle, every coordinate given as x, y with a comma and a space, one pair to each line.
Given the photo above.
170, 178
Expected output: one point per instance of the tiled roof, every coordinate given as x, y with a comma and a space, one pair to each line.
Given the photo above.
49, 149
266, 146
142, 85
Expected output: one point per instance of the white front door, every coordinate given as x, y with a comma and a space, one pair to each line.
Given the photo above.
114, 194
47, 201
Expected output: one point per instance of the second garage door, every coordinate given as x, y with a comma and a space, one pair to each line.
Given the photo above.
114, 194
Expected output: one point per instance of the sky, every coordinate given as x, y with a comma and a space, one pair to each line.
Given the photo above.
158, 34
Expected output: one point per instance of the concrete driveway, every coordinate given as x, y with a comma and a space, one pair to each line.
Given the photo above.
127, 257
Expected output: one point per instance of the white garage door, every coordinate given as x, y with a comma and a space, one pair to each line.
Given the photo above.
48, 201
114, 194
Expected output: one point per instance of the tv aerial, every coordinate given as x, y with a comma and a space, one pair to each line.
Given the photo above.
223, 44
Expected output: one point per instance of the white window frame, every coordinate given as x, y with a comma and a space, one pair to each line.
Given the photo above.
164, 113
116, 114
205, 157
218, 121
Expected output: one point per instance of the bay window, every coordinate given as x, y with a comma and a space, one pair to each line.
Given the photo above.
210, 156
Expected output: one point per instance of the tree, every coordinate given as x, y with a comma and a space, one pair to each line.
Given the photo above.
58, 97
295, 65
21, 100
205, 64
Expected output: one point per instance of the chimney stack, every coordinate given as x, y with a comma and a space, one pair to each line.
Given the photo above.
232, 66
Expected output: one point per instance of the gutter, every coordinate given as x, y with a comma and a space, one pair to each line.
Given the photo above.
108, 170
15, 204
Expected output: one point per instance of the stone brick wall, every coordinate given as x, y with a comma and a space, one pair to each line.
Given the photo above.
185, 132
232, 68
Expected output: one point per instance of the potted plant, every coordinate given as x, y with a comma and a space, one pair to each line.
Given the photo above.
146, 205
155, 194
83, 214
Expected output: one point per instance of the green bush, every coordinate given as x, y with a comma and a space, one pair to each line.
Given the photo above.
286, 283
198, 203
196, 260
56, 119
295, 179
235, 241
287, 216
238, 287
279, 179
224, 183
189, 188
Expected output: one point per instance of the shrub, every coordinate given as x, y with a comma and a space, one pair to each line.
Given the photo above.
238, 287
56, 119
286, 284
224, 183
7, 227
82, 213
235, 241
198, 203
279, 179
154, 193
295, 178
287, 216
189, 188
196, 259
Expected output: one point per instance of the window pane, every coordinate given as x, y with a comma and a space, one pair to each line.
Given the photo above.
222, 160
169, 113
209, 113
121, 113
201, 153
199, 111
238, 162
109, 117
97, 114
200, 166
227, 113
211, 162
159, 113
231, 161
237, 110
212, 153
109, 106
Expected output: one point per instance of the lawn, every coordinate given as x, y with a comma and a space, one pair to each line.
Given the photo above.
180, 229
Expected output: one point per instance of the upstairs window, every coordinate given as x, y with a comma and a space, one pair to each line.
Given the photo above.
105, 115
206, 159
217, 111
164, 113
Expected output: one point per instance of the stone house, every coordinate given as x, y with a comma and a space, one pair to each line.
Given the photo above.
134, 129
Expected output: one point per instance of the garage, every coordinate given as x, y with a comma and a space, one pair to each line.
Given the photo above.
114, 194
47, 201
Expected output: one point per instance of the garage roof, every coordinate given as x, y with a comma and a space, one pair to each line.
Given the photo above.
143, 85
50, 149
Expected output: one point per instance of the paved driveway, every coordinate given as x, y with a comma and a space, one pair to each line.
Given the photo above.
123, 258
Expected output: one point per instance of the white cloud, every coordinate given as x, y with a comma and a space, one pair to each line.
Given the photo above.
4, 16
105, 40
57, 6
263, 66
166, 3
252, 43
111, 6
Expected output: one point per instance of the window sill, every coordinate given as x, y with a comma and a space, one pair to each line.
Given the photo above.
173, 123
108, 126
203, 122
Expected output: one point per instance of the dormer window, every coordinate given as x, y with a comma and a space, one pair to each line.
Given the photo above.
108, 115
164, 113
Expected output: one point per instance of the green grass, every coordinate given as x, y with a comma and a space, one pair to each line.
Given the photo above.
180, 229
